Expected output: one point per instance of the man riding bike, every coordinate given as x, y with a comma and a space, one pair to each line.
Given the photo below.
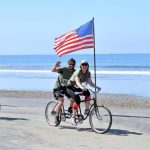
60, 86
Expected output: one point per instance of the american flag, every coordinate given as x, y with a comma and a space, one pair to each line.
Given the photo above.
81, 38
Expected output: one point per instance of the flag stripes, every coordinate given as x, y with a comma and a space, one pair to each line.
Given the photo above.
71, 42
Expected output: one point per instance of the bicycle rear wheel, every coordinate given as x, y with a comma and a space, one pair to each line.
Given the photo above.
50, 113
100, 119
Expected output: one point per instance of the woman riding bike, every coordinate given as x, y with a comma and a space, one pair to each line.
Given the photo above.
75, 84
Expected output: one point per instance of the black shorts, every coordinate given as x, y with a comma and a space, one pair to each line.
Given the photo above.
71, 92
60, 92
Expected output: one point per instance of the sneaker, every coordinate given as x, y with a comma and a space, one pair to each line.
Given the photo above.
57, 121
70, 110
73, 122
86, 111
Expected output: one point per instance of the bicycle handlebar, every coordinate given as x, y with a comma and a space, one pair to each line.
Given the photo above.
94, 92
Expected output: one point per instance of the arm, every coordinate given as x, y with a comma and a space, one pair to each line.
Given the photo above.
77, 80
90, 82
57, 65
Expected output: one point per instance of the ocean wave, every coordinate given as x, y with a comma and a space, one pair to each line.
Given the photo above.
126, 66
98, 66
117, 72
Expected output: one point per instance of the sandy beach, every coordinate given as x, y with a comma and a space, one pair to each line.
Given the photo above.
23, 125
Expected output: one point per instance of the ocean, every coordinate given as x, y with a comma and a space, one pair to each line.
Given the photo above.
115, 73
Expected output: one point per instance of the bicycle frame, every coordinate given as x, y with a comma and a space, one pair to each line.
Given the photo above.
79, 112
100, 118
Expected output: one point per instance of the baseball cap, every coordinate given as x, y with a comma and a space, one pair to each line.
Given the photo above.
71, 60
84, 61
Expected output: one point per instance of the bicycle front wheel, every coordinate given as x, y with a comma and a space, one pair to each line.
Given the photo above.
50, 113
100, 119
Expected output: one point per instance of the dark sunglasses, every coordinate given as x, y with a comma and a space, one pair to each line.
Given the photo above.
71, 64
84, 64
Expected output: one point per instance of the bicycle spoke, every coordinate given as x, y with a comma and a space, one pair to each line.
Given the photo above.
100, 119
50, 113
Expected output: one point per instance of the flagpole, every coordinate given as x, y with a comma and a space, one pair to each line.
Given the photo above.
94, 56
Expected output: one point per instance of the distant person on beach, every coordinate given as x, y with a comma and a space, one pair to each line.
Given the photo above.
75, 84
60, 86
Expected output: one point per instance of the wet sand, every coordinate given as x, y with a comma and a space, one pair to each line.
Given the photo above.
23, 125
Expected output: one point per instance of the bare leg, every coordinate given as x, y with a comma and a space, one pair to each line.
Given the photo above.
73, 118
70, 107
59, 105
71, 103
74, 113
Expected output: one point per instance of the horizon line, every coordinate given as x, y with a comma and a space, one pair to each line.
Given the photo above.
76, 54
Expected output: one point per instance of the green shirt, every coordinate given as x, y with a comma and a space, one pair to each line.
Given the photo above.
63, 77
83, 77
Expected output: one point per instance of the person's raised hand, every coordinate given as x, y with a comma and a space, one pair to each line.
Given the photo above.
57, 64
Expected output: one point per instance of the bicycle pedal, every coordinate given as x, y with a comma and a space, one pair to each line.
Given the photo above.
80, 119
63, 119
53, 112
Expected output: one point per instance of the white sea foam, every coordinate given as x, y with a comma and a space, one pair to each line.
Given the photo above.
97, 72
123, 72
26, 71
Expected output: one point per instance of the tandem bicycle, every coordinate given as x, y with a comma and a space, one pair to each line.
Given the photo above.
100, 117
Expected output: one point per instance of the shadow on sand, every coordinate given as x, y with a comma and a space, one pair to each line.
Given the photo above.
110, 132
9, 106
129, 116
113, 132
122, 132
12, 119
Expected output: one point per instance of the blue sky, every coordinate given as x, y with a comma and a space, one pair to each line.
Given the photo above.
30, 26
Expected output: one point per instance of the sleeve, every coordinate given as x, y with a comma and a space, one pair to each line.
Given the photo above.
76, 73
59, 70
89, 75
